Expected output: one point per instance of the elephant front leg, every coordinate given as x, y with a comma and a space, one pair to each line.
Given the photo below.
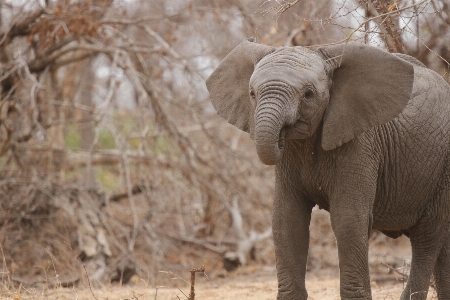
291, 218
350, 220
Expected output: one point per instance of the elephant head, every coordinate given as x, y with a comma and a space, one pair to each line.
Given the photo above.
283, 93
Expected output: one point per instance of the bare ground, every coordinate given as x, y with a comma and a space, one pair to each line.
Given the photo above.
261, 285
254, 282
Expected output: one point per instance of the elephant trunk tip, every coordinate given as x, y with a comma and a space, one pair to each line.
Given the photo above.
282, 139
270, 161
271, 153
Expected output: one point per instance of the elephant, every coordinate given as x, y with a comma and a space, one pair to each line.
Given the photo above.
358, 131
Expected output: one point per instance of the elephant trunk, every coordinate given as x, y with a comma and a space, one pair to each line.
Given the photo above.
269, 132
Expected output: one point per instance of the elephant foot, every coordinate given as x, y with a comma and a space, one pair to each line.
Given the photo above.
292, 295
359, 294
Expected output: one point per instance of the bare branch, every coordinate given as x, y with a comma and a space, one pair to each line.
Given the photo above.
22, 27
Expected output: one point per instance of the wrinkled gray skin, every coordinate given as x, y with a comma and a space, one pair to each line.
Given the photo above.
364, 134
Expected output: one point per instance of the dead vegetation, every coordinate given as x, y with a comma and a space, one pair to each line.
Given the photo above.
113, 164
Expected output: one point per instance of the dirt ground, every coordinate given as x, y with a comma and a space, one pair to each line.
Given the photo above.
254, 281
260, 285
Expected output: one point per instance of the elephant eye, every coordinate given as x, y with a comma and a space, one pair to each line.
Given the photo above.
252, 97
309, 94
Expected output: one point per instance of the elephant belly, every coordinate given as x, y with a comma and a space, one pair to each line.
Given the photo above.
404, 194
405, 190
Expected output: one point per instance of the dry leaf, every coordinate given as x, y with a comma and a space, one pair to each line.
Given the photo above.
391, 7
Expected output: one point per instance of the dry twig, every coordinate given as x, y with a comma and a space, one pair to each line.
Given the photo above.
193, 271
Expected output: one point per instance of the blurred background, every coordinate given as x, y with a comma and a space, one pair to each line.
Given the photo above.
113, 162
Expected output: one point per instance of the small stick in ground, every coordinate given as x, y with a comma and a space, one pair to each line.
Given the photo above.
193, 271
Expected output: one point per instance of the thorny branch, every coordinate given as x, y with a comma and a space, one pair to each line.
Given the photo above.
164, 144
404, 275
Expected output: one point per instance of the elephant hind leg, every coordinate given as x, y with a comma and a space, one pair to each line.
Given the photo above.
425, 248
442, 269
430, 251
426, 245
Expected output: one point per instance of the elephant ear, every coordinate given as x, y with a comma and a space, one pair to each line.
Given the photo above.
369, 87
228, 85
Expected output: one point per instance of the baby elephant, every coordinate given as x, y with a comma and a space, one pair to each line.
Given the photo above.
361, 132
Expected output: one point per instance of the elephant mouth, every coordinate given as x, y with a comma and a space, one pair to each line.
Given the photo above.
300, 130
